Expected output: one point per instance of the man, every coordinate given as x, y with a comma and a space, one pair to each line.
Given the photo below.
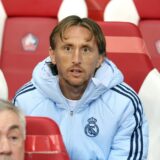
100, 117
12, 132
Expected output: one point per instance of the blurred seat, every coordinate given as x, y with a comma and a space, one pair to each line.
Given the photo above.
72, 7
149, 25
121, 11
3, 87
25, 38
44, 140
3, 84
149, 94
96, 9
126, 48
2, 22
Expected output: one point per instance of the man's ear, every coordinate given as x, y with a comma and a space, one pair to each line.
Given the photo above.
52, 55
100, 61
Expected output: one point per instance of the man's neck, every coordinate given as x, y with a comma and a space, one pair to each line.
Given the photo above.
72, 92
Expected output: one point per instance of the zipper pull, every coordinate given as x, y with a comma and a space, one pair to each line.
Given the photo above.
71, 113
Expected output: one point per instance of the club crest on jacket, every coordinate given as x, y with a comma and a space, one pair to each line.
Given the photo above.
91, 129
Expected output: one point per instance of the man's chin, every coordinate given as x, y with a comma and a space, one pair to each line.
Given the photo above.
76, 84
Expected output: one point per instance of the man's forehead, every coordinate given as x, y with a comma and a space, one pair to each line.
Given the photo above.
76, 31
9, 120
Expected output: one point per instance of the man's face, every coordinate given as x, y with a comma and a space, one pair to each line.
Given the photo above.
11, 137
76, 57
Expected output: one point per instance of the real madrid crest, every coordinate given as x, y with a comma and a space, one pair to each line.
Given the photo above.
91, 129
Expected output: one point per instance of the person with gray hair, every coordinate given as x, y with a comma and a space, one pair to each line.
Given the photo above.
12, 132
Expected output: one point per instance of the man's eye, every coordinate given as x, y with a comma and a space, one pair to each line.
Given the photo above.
86, 50
67, 48
13, 138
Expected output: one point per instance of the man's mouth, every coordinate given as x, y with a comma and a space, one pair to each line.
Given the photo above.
76, 72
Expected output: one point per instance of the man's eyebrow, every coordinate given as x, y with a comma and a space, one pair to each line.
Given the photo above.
14, 127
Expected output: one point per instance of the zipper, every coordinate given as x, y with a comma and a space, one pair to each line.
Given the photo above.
70, 146
71, 113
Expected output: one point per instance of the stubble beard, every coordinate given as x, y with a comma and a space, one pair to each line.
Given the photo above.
5, 158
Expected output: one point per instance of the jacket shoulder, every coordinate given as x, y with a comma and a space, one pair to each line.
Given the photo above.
122, 96
27, 97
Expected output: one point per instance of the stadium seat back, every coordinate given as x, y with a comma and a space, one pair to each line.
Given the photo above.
149, 95
25, 38
43, 140
121, 11
126, 48
149, 25
3, 87
96, 9
72, 7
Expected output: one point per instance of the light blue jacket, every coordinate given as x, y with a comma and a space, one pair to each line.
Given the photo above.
108, 122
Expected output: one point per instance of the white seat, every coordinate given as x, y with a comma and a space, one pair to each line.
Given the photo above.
121, 11
149, 93
3, 17
3, 87
72, 7
3, 84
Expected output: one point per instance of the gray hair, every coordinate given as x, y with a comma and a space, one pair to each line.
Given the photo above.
8, 106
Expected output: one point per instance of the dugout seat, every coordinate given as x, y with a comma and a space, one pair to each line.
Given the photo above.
43, 140
149, 25
3, 87
25, 38
3, 84
96, 9
121, 11
149, 95
126, 48
72, 7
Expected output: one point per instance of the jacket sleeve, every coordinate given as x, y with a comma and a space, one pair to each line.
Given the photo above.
131, 139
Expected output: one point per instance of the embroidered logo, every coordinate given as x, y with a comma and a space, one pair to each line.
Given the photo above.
30, 42
91, 129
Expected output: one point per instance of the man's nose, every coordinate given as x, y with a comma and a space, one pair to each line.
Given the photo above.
76, 57
5, 146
